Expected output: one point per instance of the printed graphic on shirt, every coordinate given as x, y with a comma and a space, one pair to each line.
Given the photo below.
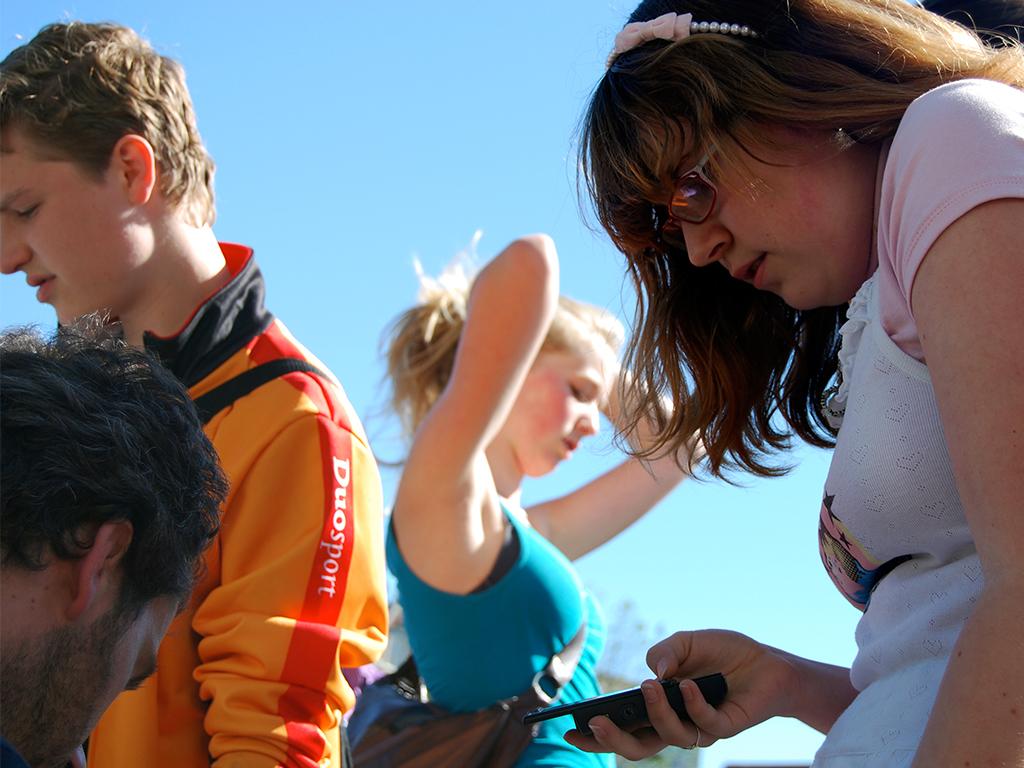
854, 572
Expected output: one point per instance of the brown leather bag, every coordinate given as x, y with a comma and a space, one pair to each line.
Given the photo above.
394, 726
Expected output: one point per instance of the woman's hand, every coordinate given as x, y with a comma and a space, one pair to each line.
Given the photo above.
622, 407
763, 682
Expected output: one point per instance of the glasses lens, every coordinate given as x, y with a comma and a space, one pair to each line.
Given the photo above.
693, 199
672, 235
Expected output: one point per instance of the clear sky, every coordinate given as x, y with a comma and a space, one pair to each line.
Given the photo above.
351, 137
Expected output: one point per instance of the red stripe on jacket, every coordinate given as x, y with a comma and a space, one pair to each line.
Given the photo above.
313, 649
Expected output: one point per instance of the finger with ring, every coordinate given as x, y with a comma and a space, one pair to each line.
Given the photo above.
696, 743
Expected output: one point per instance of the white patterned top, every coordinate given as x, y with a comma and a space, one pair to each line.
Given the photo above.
892, 529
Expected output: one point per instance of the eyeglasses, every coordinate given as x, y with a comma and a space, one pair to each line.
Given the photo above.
692, 201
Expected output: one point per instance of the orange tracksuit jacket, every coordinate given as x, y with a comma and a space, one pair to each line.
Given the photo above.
294, 588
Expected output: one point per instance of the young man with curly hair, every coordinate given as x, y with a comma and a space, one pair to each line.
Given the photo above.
108, 497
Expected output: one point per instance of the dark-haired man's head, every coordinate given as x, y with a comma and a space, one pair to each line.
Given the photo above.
109, 494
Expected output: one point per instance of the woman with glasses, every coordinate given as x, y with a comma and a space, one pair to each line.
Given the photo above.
497, 380
820, 204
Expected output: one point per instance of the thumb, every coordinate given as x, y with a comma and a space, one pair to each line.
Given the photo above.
666, 657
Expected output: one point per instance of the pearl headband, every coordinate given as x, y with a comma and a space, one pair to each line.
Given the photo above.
670, 26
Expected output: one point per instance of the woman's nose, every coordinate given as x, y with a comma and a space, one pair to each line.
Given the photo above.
589, 423
706, 243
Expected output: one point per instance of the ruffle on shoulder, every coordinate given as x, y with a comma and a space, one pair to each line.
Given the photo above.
857, 316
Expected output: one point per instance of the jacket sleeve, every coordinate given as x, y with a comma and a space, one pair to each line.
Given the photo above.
301, 594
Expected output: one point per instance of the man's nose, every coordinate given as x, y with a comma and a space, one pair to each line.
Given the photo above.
14, 253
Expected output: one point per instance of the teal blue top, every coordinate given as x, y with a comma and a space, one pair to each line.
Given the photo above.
475, 649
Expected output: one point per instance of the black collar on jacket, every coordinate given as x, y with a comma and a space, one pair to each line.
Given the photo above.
220, 326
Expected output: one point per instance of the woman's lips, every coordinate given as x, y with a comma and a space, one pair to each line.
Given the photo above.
749, 271
759, 272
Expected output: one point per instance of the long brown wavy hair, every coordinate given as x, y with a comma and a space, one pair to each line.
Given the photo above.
733, 359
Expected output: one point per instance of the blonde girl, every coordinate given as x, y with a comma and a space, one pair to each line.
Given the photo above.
495, 384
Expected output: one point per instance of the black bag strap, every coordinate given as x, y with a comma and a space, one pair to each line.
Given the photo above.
346, 748
220, 397
544, 688
558, 672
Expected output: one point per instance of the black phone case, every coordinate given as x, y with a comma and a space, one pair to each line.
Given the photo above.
627, 709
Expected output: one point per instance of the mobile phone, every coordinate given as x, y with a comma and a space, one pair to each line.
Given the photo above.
627, 709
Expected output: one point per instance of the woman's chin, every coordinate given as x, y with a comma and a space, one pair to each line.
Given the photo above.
541, 468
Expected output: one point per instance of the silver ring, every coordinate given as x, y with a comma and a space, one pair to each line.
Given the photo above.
696, 744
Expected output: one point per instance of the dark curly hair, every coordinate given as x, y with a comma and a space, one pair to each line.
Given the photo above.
95, 431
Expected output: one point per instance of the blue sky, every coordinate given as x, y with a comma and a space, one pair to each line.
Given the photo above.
349, 141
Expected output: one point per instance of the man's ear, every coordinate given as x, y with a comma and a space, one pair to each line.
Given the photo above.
96, 575
134, 164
